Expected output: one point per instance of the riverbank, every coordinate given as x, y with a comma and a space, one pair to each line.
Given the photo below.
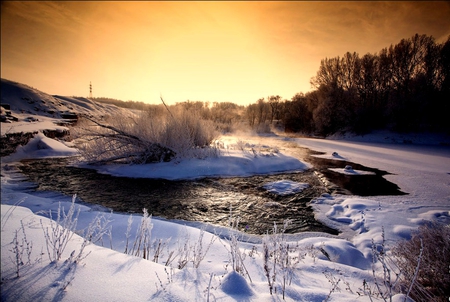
320, 257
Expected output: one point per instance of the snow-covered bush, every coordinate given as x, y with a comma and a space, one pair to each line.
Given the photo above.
184, 132
147, 137
433, 276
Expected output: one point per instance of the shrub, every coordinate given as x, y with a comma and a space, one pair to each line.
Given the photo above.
433, 277
184, 132
148, 137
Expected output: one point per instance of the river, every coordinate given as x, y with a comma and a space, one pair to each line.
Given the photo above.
210, 200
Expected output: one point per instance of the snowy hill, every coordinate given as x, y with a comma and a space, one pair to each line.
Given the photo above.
24, 99
23, 105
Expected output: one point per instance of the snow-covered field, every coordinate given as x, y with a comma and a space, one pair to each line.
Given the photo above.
322, 267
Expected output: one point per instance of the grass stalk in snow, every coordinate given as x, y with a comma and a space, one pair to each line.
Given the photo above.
128, 233
236, 256
17, 250
61, 231
267, 268
141, 245
99, 227
10, 212
184, 251
199, 252
278, 264
334, 283
158, 247
386, 285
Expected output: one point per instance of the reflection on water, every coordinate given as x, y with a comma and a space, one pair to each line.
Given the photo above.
207, 200
210, 199
362, 185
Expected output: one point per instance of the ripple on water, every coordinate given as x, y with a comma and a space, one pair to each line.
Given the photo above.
206, 200
210, 199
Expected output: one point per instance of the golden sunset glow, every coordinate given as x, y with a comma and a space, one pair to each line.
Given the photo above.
205, 51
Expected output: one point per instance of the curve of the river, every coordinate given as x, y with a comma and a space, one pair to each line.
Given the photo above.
210, 199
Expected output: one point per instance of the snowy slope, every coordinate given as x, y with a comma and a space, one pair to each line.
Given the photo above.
28, 100
36, 110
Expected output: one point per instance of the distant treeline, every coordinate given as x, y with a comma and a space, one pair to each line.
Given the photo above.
404, 87
123, 104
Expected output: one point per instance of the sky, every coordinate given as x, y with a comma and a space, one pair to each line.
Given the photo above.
199, 51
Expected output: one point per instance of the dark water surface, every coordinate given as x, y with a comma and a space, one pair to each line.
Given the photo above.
209, 199
362, 185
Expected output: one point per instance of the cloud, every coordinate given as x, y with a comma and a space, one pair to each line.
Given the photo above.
336, 27
58, 16
265, 45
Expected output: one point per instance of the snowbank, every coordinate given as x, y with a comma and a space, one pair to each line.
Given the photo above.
229, 163
318, 261
41, 146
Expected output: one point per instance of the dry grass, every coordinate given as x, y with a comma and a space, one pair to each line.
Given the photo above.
149, 137
433, 278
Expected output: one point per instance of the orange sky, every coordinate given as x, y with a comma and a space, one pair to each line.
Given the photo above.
206, 51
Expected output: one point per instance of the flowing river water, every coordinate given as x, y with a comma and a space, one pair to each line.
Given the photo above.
210, 199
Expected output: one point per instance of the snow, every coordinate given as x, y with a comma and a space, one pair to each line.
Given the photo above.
41, 146
285, 187
28, 101
25, 126
108, 274
230, 163
37, 110
351, 171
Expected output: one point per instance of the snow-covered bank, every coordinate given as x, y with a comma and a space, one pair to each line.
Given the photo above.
423, 171
230, 163
40, 146
318, 261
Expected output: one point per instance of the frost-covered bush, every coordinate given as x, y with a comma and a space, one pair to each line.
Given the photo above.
433, 276
184, 132
147, 137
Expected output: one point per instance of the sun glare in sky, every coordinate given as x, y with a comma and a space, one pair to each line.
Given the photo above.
199, 51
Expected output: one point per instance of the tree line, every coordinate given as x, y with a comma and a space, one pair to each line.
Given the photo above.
404, 87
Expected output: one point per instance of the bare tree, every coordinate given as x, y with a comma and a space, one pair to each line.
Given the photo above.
274, 102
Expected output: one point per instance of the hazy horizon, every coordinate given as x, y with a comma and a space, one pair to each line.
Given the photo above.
199, 51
